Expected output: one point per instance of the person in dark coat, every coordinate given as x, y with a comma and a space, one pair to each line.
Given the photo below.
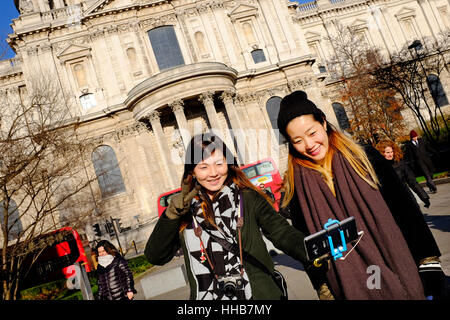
331, 176
394, 155
217, 219
267, 191
417, 157
115, 280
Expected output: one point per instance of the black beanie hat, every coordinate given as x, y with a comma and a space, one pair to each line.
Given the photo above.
295, 105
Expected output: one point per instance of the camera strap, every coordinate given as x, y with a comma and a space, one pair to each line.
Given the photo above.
204, 257
233, 248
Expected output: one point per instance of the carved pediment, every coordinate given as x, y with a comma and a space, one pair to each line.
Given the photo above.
405, 12
359, 23
312, 36
242, 11
73, 51
108, 5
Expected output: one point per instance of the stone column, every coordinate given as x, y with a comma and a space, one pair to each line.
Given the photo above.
163, 148
178, 110
58, 4
425, 10
237, 131
207, 99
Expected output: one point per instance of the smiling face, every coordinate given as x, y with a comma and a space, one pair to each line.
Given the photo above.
212, 172
309, 137
102, 251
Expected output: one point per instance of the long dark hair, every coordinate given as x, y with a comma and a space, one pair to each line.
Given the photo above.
108, 246
201, 147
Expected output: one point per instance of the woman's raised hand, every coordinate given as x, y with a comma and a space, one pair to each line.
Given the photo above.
180, 203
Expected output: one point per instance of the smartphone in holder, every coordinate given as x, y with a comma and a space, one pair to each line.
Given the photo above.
318, 244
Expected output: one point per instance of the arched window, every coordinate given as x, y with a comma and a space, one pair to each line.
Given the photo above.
132, 58
165, 47
258, 56
107, 170
200, 39
14, 223
409, 29
80, 75
436, 90
341, 115
248, 32
273, 108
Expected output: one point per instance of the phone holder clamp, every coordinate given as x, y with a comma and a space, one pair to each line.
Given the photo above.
336, 252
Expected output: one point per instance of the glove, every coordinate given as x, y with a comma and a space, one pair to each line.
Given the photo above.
181, 202
324, 293
433, 278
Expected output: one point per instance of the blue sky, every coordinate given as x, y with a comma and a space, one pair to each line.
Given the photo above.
8, 12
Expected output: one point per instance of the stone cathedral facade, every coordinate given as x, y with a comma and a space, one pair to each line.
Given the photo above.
148, 74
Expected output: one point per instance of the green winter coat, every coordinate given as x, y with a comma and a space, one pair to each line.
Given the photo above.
165, 240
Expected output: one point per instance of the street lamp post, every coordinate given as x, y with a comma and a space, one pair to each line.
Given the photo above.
417, 45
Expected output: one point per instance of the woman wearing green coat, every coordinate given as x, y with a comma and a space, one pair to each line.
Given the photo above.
217, 219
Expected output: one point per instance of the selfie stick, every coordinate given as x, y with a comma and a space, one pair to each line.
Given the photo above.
336, 253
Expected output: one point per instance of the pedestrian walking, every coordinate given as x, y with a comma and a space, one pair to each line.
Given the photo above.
283, 211
417, 156
115, 280
217, 219
392, 153
262, 186
330, 176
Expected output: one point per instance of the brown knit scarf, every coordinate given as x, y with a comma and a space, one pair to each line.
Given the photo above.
381, 246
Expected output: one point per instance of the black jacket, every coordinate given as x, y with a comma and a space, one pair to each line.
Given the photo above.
404, 209
407, 176
259, 216
418, 157
401, 203
115, 280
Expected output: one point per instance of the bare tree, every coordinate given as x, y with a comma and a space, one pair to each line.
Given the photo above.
42, 173
413, 73
375, 110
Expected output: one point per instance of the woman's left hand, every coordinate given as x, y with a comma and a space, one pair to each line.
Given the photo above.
130, 295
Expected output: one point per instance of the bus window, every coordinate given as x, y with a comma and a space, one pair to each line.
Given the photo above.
250, 172
265, 167
258, 169
55, 261
264, 172
164, 200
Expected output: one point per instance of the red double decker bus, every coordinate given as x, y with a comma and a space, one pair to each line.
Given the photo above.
57, 259
164, 200
262, 172
265, 172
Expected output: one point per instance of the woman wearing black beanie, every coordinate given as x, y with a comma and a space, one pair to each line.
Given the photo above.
331, 176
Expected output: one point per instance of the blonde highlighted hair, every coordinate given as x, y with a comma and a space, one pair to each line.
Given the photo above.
337, 141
